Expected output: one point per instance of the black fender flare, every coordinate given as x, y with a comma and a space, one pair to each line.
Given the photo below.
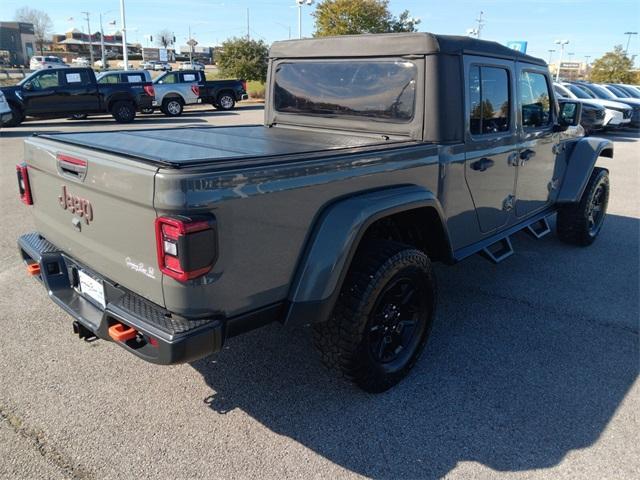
117, 97
580, 163
334, 241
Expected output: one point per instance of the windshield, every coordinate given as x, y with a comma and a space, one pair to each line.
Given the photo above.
374, 89
632, 92
618, 92
579, 92
599, 92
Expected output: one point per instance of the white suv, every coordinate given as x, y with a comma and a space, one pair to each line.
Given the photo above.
39, 62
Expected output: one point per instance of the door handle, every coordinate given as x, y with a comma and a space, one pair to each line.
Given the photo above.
482, 164
527, 155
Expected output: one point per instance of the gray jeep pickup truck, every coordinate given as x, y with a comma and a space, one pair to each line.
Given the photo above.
379, 155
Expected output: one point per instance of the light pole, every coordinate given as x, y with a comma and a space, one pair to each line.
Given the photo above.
626, 50
551, 50
104, 60
300, 4
480, 24
125, 53
562, 43
86, 14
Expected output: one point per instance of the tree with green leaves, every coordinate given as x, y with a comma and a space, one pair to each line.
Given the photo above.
243, 58
41, 22
351, 17
612, 67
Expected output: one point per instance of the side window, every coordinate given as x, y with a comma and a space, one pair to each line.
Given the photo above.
170, 78
535, 100
489, 100
189, 77
76, 78
109, 79
135, 78
46, 80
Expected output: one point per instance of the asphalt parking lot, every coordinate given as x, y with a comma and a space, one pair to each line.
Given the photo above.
531, 371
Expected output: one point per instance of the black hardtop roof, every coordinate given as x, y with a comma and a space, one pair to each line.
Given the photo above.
383, 44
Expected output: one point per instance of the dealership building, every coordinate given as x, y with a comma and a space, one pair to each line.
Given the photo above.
75, 42
17, 43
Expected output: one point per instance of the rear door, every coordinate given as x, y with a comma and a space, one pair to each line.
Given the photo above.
491, 139
538, 141
107, 224
80, 90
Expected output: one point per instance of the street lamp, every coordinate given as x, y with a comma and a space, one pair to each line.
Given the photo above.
125, 53
562, 43
300, 4
551, 50
626, 51
104, 61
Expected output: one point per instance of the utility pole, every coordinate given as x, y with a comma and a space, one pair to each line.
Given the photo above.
86, 15
300, 4
626, 50
248, 29
104, 61
125, 53
480, 23
551, 50
562, 43
586, 66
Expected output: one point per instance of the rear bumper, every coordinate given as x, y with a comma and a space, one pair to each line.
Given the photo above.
162, 337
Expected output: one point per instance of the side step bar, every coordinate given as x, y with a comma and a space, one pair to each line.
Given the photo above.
539, 229
498, 251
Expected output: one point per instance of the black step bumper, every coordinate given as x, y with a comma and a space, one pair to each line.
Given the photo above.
162, 337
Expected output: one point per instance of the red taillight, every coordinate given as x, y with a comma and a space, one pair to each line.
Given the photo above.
195, 89
149, 90
244, 85
23, 184
187, 247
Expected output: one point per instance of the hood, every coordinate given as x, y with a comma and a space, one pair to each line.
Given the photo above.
609, 103
10, 90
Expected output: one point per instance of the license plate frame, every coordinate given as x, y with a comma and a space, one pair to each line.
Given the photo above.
91, 288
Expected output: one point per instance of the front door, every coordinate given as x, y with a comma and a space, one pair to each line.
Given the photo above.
537, 154
41, 93
491, 140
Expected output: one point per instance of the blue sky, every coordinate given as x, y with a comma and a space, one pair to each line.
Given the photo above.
591, 26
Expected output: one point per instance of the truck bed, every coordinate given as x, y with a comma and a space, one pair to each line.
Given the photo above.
183, 147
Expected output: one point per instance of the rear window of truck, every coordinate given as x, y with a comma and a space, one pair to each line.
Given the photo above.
375, 89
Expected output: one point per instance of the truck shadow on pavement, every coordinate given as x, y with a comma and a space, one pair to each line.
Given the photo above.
528, 361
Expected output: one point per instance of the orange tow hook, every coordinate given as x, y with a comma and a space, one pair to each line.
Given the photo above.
122, 333
33, 269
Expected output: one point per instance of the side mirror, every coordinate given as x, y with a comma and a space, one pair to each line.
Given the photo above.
27, 86
570, 113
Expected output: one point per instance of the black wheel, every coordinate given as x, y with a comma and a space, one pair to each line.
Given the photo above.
172, 107
78, 116
225, 101
382, 318
123, 111
580, 223
17, 116
146, 111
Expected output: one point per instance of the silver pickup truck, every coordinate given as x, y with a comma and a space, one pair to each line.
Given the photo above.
379, 155
174, 90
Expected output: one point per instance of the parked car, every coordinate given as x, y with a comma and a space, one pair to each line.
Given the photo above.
129, 65
629, 90
617, 115
191, 66
147, 65
100, 65
5, 110
594, 116
39, 62
603, 93
80, 62
420, 148
124, 76
75, 91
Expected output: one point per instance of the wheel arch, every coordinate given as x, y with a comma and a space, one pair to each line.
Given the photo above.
119, 97
340, 229
580, 163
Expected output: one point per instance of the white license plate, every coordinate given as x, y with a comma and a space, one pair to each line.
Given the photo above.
92, 288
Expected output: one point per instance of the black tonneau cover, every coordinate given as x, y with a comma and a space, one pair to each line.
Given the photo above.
182, 147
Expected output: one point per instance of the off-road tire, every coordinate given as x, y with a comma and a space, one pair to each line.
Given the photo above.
172, 107
575, 223
225, 101
123, 111
17, 116
344, 341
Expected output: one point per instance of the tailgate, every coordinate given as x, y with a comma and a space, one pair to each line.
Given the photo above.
111, 230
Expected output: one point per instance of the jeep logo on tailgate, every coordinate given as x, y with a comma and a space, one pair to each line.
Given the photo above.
76, 205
